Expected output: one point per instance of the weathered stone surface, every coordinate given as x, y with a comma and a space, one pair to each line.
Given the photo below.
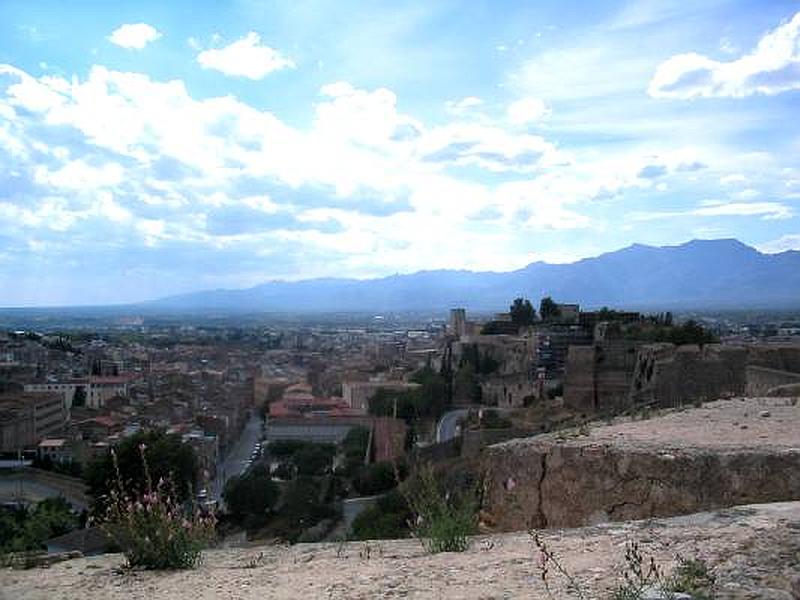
678, 463
753, 551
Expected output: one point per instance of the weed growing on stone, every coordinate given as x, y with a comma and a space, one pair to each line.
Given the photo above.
152, 528
442, 521
642, 577
692, 576
549, 561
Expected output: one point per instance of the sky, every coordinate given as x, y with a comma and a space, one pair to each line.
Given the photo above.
151, 148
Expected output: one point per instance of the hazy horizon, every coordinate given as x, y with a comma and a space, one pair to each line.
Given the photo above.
148, 150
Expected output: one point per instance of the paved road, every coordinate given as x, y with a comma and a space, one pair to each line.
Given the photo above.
234, 461
448, 427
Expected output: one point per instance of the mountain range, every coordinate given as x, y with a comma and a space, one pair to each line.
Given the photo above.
700, 274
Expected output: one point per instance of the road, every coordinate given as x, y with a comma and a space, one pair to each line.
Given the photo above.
234, 461
448, 427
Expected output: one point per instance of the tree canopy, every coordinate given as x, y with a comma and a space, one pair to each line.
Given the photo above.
522, 312
548, 309
252, 494
166, 455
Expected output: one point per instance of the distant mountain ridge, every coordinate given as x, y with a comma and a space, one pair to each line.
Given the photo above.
701, 274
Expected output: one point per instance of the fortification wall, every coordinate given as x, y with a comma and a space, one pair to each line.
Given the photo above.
723, 454
667, 375
579, 379
761, 380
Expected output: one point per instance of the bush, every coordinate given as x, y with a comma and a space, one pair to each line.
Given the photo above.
24, 529
442, 520
387, 519
301, 509
152, 528
375, 479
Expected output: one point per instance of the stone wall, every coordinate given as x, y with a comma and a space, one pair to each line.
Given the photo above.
598, 377
761, 380
723, 454
551, 485
667, 375
781, 356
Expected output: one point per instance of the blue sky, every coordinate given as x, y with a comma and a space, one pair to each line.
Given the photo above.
152, 148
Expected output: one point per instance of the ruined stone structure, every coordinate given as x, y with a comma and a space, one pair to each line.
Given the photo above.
763, 381
510, 391
723, 454
666, 375
613, 375
598, 378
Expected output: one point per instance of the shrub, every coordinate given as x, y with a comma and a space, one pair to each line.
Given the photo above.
375, 479
152, 527
301, 509
442, 520
24, 529
387, 519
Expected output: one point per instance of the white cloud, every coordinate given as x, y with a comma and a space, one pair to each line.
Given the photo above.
526, 110
134, 36
463, 106
781, 244
78, 175
769, 211
491, 148
246, 57
733, 179
771, 68
366, 187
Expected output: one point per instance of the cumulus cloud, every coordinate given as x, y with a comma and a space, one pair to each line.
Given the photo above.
363, 190
771, 68
246, 57
526, 110
134, 36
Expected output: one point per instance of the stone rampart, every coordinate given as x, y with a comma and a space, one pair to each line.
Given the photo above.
723, 454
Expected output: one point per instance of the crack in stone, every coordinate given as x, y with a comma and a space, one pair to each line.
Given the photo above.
542, 518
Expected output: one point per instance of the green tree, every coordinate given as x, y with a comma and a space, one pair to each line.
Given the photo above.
522, 312
251, 495
301, 508
167, 457
375, 479
314, 459
548, 309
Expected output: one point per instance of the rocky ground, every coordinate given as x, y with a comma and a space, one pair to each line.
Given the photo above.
754, 551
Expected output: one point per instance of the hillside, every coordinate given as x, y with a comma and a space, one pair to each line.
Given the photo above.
709, 274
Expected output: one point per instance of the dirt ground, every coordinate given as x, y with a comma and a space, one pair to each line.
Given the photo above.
754, 550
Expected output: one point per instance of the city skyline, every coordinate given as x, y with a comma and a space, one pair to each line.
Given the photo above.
153, 150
